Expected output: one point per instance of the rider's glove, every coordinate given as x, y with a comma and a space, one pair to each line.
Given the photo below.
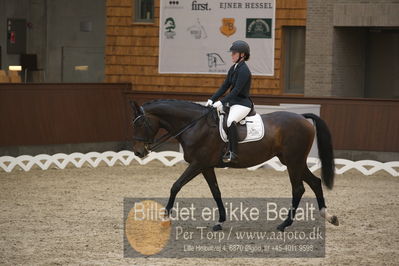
218, 105
209, 103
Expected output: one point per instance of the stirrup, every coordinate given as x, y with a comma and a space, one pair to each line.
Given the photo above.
229, 157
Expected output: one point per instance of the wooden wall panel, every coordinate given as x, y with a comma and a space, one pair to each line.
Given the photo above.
132, 52
43, 114
355, 124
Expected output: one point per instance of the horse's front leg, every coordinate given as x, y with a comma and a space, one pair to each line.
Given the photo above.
191, 171
210, 178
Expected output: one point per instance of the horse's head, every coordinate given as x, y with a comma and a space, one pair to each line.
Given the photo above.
145, 127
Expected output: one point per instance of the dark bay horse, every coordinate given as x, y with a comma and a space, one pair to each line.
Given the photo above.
288, 136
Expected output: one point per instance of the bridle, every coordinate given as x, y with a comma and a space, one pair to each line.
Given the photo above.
150, 144
149, 130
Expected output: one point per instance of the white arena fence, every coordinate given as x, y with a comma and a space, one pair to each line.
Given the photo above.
169, 158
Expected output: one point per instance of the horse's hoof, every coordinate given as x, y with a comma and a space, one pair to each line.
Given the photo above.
217, 227
166, 223
334, 220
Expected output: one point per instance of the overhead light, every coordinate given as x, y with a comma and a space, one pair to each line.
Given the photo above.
81, 68
15, 68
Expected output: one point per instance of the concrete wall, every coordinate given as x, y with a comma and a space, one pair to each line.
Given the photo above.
56, 24
380, 13
64, 19
36, 41
11, 9
319, 48
336, 44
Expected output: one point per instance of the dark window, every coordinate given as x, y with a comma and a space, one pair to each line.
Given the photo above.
143, 10
382, 63
294, 59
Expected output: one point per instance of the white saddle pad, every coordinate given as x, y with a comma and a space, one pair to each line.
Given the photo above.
255, 128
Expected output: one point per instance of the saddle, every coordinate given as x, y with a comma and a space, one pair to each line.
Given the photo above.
248, 129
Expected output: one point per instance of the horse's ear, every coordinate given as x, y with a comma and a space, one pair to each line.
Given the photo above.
135, 108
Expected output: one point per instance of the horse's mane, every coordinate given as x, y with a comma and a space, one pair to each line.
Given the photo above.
180, 103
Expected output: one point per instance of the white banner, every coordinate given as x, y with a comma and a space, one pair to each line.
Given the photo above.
195, 36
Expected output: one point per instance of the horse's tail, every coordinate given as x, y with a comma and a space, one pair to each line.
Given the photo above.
326, 153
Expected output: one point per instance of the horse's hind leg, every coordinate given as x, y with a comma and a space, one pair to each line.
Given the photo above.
315, 184
295, 172
210, 178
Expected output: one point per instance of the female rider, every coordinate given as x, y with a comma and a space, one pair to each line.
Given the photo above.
239, 80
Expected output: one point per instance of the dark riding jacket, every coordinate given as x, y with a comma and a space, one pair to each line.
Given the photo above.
239, 80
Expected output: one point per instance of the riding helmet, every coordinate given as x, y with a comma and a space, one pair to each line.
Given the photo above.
240, 47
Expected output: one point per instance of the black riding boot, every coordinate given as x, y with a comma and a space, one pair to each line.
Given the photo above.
231, 155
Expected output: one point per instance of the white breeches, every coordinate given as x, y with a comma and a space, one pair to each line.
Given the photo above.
237, 113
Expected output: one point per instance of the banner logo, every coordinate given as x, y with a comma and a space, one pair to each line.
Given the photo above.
214, 62
173, 5
228, 27
170, 26
206, 27
259, 28
197, 30
199, 6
